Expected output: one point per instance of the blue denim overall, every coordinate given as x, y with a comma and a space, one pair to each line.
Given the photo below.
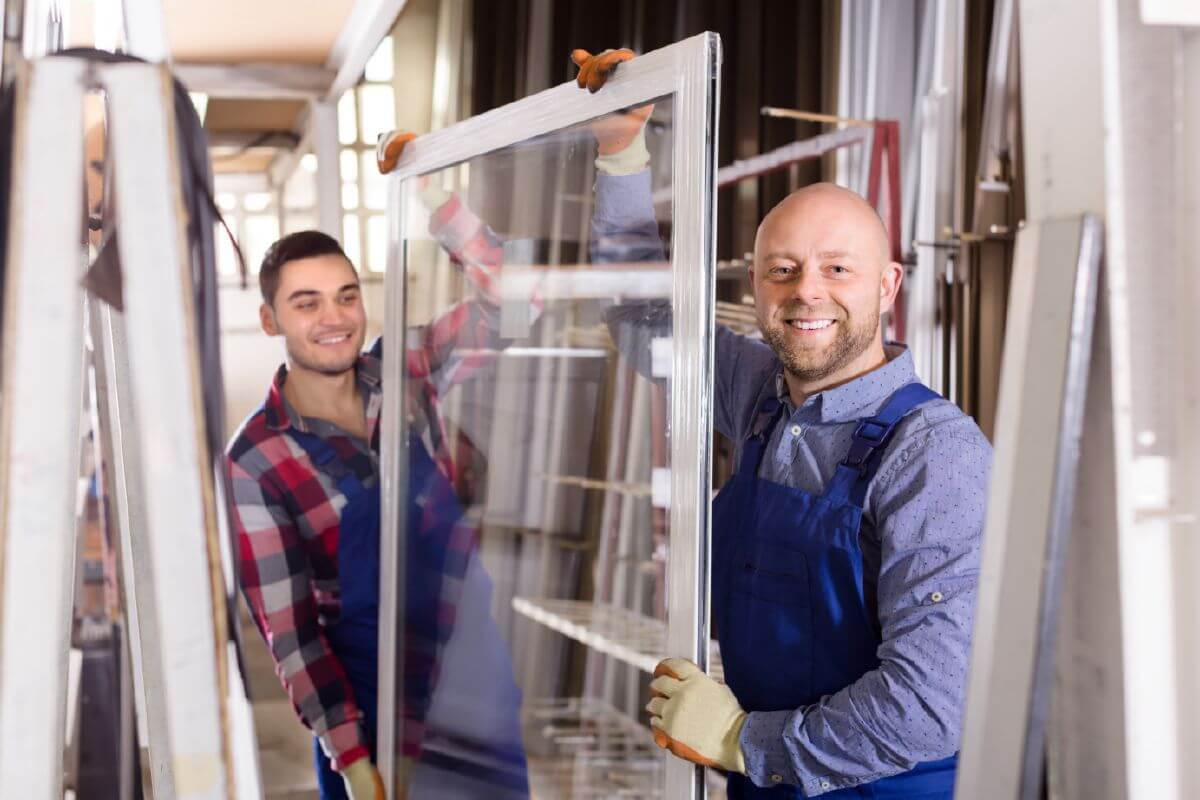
788, 599
433, 510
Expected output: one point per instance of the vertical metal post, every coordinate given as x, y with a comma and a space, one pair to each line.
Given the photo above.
323, 119
693, 254
178, 501
39, 426
393, 477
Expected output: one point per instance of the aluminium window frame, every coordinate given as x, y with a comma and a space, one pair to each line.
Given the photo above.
689, 72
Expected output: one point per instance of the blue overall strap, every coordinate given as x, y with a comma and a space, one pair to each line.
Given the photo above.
324, 458
754, 445
871, 438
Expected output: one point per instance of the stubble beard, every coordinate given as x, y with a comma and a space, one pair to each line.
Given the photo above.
810, 365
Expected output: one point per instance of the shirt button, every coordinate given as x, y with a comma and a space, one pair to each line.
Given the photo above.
776, 778
936, 597
797, 430
826, 785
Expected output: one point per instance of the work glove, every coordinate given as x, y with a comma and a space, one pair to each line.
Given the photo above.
594, 70
362, 781
389, 148
695, 717
620, 137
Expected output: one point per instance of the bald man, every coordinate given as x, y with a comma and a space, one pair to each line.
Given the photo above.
846, 545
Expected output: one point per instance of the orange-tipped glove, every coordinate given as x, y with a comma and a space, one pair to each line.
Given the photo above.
389, 148
695, 717
620, 137
362, 781
594, 71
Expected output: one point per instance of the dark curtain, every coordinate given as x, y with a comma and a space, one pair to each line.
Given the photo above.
774, 54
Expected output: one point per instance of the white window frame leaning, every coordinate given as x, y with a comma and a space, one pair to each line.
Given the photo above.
689, 72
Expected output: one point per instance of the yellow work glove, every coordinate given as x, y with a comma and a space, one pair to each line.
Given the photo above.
695, 717
363, 781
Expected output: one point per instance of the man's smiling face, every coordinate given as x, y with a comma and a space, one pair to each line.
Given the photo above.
821, 280
318, 309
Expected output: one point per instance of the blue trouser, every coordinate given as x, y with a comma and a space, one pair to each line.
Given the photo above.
788, 593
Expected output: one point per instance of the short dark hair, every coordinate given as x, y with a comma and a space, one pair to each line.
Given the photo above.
293, 247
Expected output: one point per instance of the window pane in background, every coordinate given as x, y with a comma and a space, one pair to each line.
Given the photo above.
347, 121
256, 201
374, 185
351, 241
377, 243
380, 67
378, 111
349, 196
349, 165
259, 232
227, 263
300, 190
298, 221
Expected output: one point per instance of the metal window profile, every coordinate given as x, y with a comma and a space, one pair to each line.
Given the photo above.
1031, 502
39, 440
119, 449
178, 499
688, 72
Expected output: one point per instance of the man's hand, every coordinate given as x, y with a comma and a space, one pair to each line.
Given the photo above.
389, 148
363, 781
695, 717
595, 70
620, 137
615, 132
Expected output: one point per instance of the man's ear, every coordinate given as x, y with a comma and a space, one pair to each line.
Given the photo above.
889, 286
266, 317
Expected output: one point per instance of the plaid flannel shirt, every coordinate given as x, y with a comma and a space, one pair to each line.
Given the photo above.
286, 512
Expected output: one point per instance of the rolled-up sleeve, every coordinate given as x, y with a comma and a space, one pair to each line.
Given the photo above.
929, 502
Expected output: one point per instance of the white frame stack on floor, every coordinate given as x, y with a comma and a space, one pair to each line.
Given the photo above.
1111, 135
1044, 382
168, 517
688, 71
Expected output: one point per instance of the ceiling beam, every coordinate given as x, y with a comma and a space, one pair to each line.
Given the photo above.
279, 81
244, 139
369, 21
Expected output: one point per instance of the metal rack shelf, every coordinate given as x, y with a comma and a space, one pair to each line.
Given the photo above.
618, 632
596, 751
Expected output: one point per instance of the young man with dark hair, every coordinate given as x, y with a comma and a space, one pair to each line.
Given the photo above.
306, 501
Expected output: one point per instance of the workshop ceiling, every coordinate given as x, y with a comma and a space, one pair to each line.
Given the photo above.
235, 31
272, 31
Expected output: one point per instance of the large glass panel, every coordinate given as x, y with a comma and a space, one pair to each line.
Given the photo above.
538, 452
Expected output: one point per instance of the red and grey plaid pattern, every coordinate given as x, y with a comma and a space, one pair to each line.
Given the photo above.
287, 512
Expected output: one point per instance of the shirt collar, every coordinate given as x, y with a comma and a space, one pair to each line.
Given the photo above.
861, 397
279, 412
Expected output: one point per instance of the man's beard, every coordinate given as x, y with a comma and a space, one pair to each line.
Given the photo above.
809, 364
